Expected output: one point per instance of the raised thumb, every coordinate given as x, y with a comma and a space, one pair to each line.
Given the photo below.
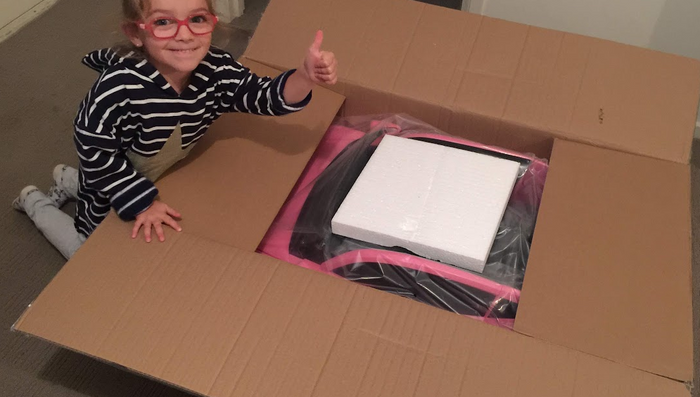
316, 46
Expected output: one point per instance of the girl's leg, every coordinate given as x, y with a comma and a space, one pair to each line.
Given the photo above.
65, 187
53, 223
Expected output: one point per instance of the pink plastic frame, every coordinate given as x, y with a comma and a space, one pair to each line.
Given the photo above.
180, 23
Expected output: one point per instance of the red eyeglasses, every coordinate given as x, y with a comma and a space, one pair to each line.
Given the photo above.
167, 28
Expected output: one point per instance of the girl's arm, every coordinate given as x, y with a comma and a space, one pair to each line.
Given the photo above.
289, 92
298, 86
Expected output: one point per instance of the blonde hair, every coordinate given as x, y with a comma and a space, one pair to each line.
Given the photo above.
136, 10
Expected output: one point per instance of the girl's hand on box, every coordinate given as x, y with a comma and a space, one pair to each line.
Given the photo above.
320, 66
154, 217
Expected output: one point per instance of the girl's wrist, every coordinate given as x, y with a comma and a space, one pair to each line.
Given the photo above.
305, 75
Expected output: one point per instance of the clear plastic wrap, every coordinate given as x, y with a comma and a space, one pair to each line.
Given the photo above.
301, 233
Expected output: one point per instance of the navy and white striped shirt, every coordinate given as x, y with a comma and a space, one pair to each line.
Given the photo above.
132, 107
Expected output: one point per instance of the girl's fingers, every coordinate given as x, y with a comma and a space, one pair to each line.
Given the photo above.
324, 71
325, 60
172, 223
159, 231
170, 211
147, 231
328, 58
135, 231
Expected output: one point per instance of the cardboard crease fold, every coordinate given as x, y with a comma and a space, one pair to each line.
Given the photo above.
234, 344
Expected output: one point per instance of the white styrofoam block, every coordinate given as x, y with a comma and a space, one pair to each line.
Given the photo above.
439, 202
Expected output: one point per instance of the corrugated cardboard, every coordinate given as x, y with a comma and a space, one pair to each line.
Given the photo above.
220, 321
606, 300
609, 269
494, 74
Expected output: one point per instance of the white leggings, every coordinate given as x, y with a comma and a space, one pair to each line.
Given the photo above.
54, 224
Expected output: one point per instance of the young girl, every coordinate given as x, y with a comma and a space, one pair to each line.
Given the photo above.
146, 111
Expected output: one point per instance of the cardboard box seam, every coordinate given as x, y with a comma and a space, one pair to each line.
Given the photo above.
515, 72
335, 339
176, 237
578, 88
457, 72
408, 47
252, 311
518, 69
370, 16
286, 326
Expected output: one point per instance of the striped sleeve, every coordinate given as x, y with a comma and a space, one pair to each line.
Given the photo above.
248, 93
98, 142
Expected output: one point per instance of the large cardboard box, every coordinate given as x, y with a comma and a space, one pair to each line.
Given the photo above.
606, 303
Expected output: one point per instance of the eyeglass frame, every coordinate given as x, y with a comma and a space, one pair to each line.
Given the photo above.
180, 23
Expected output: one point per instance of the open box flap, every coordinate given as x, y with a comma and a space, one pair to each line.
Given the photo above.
609, 271
219, 321
575, 87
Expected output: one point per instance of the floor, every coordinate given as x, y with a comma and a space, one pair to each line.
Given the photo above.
42, 85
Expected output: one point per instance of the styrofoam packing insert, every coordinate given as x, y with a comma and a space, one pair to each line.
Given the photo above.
439, 202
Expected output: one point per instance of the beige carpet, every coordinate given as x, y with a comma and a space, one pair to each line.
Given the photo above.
42, 84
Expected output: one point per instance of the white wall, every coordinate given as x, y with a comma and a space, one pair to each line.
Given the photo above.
677, 29
627, 21
229, 9
666, 25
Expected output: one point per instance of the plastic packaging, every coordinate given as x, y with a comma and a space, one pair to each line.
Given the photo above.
301, 233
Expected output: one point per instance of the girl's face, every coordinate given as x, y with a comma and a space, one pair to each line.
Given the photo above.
175, 56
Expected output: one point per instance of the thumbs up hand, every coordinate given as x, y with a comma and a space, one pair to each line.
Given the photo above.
320, 66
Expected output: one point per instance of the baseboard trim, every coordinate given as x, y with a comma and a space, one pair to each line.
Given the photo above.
16, 24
